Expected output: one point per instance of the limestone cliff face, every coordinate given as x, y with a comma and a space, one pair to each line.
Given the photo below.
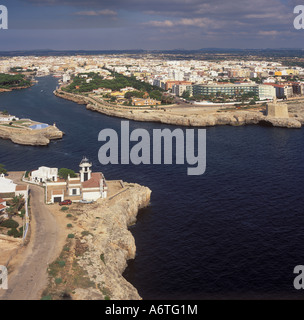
40, 137
233, 118
110, 244
237, 118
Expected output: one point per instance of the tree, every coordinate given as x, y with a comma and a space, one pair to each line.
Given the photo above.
166, 99
18, 202
2, 169
64, 172
186, 94
156, 94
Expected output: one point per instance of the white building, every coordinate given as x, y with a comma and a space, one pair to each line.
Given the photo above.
7, 185
7, 118
9, 189
87, 185
44, 174
267, 92
66, 78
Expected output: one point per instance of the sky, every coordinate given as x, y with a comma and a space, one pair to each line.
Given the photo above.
150, 25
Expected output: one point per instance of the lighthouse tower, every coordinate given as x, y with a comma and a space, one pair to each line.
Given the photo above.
85, 170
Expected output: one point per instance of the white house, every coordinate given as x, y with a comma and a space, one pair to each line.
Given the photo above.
7, 185
44, 174
7, 118
9, 189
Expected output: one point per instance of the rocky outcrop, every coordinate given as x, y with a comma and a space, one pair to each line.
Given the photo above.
109, 244
25, 136
233, 118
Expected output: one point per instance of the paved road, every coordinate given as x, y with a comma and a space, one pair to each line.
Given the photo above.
31, 277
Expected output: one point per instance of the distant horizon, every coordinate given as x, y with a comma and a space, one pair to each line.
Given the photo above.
157, 50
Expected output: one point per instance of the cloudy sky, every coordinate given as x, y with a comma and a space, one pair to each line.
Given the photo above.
145, 24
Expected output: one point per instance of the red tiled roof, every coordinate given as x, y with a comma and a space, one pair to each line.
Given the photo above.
94, 182
20, 188
2, 200
2, 206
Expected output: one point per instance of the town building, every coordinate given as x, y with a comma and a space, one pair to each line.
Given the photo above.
267, 92
44, 174
144, 102
9, 189
227, 89
87, 185
7, 118
179, 89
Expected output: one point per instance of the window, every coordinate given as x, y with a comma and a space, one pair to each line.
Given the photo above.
74, 192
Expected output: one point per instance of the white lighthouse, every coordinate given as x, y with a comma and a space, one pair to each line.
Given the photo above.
85, 170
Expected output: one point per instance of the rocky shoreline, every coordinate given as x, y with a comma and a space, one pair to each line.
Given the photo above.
26, 136
110, 244
96, 256
232, 118
14, 88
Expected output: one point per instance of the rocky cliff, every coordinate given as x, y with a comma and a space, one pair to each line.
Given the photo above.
26, 136
109, 244
233, 118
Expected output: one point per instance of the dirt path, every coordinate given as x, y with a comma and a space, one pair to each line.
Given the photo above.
30, 277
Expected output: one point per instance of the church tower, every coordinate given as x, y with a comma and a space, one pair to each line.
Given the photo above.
85, 170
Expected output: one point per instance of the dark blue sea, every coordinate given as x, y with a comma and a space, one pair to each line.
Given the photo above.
235, 232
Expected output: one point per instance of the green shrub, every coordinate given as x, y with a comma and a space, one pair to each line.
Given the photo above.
61, 263
71, 236
10, 224
14, 233
22, 213
69, 225
64, 209
58, 280
69, 215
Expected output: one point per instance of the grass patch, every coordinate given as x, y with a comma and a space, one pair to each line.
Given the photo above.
102, 258
66, 275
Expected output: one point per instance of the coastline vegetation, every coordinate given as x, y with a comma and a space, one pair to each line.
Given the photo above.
81, 84
87, 82
8, 81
